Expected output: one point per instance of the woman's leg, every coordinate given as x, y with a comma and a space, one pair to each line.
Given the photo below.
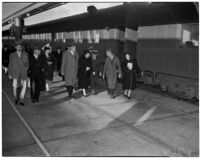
125, 92
129, 93
84, 92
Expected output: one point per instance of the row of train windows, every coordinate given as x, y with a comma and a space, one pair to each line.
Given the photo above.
181, 32
77, 37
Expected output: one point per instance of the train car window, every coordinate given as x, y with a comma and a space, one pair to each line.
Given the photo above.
190, 35
89, 36
96, 40
75, 37
96, 35
79, 37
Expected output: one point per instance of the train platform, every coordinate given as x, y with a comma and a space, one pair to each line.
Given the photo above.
149, 124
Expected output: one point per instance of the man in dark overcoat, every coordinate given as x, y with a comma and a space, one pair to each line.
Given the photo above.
18, 71
36, 72
112, 67
69, 68
94, 75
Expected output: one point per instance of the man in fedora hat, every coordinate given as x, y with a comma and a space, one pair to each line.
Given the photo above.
18, 71
93, 77
36, 71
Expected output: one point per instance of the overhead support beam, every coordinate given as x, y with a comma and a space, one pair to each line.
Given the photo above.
30, 10
130, 16
196, 4
25, 10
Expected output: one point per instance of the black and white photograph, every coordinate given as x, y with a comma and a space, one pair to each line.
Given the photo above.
100, 79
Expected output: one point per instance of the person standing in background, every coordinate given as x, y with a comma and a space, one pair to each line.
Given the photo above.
69, 68
111, 68
29, 51
5, 58
18, 71
58, 56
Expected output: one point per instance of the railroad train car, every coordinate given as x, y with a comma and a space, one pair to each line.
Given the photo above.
162, 36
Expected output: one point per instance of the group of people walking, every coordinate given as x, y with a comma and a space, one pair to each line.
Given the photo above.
37, 66
76, 71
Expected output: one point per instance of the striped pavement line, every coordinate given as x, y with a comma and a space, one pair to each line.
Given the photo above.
145, 116
42, 147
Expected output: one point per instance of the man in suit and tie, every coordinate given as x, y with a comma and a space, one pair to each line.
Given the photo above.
18, 71
36, 72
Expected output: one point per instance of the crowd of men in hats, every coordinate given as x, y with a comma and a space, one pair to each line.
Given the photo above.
75, 70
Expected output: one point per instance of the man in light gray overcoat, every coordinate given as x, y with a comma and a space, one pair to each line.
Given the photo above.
18, 71
69, 68
112, 68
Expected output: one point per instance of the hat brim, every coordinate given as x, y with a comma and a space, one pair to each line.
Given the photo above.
16, 44
95, 51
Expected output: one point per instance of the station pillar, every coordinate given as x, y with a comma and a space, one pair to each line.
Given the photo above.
17, 28
130, 41
131, 33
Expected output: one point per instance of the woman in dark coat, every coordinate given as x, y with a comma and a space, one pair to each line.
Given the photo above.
130, 69
111, 68
49, 60
85, 71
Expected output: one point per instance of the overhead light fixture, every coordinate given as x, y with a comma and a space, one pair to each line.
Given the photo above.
28, 14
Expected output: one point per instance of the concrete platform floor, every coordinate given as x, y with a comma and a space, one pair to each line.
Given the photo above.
147, 125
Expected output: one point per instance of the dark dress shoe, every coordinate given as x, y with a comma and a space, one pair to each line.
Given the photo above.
112, 97
21, 103
129, 97
16, 101
85, 95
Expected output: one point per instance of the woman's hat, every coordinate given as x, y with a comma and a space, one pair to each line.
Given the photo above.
91, 48
46, 48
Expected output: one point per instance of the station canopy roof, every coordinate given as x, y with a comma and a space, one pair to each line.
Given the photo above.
132, 14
